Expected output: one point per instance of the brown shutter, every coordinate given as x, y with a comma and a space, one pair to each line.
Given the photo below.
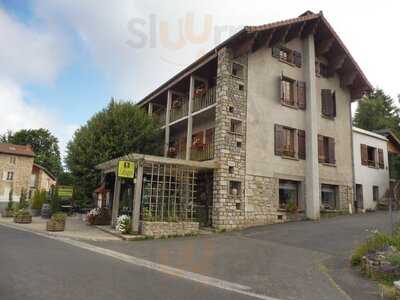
297, 59
301, 94
333, 97
326, 102
321, 150
276, 51
301, 144
331, 147
278, 139
364, 155
282, 89
380, 157
295, 93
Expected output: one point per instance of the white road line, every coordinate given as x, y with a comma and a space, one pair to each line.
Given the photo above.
210, 281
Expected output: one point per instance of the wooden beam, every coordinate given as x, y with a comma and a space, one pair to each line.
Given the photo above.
336, 63
295, 32
324, 46
269, 38
137, 198
280, 35
310, 28
244, 47
347, 78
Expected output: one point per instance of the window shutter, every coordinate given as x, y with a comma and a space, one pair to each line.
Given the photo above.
301, 94
380, 157
331, 154
276, 51
278, 139
364, 155
326, 102
333, 97
297, 59
321, 152
282, 89
301, 144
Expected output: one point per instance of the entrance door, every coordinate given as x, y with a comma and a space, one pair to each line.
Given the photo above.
359, 203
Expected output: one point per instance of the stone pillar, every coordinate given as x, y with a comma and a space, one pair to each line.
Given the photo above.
312, 117
137, 198
115, 208
167, 117
230, 147
150, 110
190, 120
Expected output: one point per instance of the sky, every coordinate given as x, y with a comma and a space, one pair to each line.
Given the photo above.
62, 61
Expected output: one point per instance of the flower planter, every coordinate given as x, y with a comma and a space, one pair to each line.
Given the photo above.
23, 219
53, 226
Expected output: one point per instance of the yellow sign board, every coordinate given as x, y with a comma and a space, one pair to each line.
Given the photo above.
126, 169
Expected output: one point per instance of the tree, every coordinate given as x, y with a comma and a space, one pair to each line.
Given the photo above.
117, 130
377, 111
44, 144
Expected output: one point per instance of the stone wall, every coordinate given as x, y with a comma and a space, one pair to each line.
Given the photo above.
22, 174
345, 197
160, 229
230, 147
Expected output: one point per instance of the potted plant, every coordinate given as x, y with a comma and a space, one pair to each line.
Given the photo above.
8, 212
291, 207
99, 216
57, 222
22, 216
124, 224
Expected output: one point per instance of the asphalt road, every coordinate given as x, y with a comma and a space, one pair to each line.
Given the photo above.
34, 267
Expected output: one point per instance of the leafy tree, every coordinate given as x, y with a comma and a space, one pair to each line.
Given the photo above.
65, 178
117, 130
44, 144
377, 111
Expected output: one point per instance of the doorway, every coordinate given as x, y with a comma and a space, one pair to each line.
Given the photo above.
359, 203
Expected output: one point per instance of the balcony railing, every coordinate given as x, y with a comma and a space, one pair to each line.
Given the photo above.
179, 110
205, 100
159, 116
202, 152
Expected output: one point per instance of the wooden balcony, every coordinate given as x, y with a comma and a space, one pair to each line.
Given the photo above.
179, 110
205, 100
159, 116
202, 152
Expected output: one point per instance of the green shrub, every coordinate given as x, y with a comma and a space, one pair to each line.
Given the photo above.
22, 213
38, 199
394, 260
59, 217
10, 203
376, 242
22, 200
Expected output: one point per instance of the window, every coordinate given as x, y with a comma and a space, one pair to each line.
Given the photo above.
375, 193
235, 188
12, 160
236, 126
285, 142
372, 157
287, 55
231, 170
288, 194
237, 70
293, 93
328, 103
231, 109
326, 149
10, 176
328, 197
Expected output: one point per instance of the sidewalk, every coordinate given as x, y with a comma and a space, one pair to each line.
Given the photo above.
75, 229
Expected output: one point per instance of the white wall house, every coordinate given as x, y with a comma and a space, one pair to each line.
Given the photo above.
370, 167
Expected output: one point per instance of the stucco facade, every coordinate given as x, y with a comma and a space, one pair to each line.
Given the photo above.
369, 176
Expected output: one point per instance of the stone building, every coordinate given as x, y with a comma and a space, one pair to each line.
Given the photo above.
41, 179
16, 163
271, 109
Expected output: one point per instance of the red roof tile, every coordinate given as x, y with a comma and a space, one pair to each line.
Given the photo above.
22, 150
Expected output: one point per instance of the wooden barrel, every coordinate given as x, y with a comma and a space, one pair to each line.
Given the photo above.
52, 225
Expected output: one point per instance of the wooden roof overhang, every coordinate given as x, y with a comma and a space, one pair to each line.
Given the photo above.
111, 165
327, 44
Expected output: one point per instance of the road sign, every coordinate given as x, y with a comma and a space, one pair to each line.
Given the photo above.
65, 191
126, 169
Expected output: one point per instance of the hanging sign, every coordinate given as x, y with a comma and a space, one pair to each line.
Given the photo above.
126, 169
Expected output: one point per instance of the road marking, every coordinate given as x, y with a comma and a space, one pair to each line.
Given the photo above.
203, 279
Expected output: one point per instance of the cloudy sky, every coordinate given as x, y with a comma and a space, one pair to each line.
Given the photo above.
61, 61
